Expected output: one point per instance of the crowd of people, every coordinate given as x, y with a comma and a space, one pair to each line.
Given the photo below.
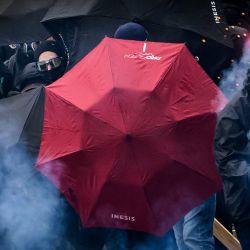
35, 64
41, 63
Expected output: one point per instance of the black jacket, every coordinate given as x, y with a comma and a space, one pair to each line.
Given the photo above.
232, 152
5, 80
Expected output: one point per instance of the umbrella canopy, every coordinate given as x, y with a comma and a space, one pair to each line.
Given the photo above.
21, 121
20, 20
202, 17
128, 135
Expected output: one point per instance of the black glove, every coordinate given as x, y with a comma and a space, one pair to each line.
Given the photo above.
29, 75
24, 55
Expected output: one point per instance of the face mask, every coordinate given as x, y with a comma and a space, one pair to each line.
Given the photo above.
52, 75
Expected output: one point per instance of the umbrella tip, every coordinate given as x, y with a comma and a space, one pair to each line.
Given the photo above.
128, 137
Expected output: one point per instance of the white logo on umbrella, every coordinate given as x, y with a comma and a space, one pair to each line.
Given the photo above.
143, 55
122, 217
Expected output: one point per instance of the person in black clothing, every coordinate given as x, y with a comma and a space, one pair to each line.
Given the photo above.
50, 58
24, 54
232, 152
47, 67
5, 80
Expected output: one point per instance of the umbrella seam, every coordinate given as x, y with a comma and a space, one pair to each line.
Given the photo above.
119, 104
35, 103
169, 68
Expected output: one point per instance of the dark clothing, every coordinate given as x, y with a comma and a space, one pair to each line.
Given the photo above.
6, 52
243, 234
5, 80
17, 62
232, 152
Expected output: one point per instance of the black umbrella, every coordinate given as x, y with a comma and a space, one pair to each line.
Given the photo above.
21, 120
20, 20
82, 34
204, 17
82, 25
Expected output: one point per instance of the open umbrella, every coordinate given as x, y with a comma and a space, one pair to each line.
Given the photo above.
20, 20
128, 135
84, 25
202, 17
21, 121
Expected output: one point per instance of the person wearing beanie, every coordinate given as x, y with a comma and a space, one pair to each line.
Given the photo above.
131, 31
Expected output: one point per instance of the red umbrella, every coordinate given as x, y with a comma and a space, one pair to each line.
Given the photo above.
128, 135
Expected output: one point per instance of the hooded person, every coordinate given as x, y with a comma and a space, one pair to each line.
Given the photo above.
232, 153
47, 67
131, 31
50, 60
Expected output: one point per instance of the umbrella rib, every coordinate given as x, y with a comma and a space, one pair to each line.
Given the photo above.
150, 209
6, 8
124, 124
169, 69
150, 11
34, 104
57, 158
104, 183
125, 6
86, 112
197, 172
110, 66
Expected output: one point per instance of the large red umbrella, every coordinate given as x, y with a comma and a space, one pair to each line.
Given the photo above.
128, 135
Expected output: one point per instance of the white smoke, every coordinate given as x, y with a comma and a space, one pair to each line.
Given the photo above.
32, 211
233, 78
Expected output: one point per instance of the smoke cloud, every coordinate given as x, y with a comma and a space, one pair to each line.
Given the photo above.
233, 78
32, 211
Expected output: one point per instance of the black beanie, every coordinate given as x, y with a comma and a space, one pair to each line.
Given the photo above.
52, 46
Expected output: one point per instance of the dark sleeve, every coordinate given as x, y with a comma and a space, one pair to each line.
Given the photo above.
232, 153
231, 137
